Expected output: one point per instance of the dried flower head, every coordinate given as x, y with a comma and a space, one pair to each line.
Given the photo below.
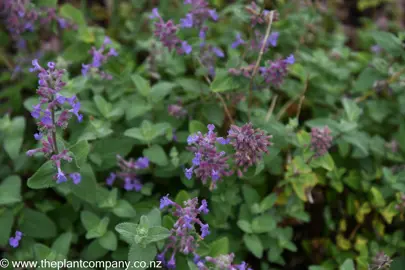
184, 235
321, 141
380, 261
249, 144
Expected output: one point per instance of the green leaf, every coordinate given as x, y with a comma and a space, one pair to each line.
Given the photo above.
89, 220
160, 90
219, 247
377, 197
72, 13
85, 190
157, 233
194, 126
47, 3
389, 212
245, 226
80, 152
264, 223
109, 241
147, 131
324, 161
224, 82
268, 202
253, 244
100, 230
352, 110
6, 224
102, 105
181, 197
14, 137
154, 217
347, 265
10, 190
108, 149
157, 155
141, 84
37, 224
137, 254
389, 42
62, 243
124, 209
127, 231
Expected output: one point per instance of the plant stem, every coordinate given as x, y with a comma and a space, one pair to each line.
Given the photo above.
259, 58
55, 144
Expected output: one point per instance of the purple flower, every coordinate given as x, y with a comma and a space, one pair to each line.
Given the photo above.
176, 110
38, 136
276, 71
186, 48
224, 262
142, 163
223, 140
111, 178
321, 140
165, 202
100, 57
155, 14
189, 173
76, 177
171, 264
249, 145
208, 163
204, 230
15, 241
187, 22
204, 207
239, 41
129, 173
50, 84
290, 60
272, 40
184, 236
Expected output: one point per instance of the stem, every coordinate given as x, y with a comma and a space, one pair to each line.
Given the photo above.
55, 145
271, 108
293, 100
259, 58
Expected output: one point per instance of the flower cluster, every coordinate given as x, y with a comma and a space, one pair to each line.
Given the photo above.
17, 17
208, 162
183, 234
129, 172
321, 141
176, 110
223, 262
15, 241
51, 113
275, 71
249, 145
166, 32
198, 15
257, 43
100, 56
209, 55
20, 16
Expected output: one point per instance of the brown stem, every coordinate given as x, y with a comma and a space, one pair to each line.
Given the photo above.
259, 58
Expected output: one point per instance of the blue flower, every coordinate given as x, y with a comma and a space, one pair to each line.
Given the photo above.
76, 178
165, 201
205, 230
187, 22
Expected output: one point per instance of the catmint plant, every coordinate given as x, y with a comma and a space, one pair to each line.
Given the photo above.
15, 241
100, 57
51, 113
250, 144
208, 162
321, 141
129, 172
184, 236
